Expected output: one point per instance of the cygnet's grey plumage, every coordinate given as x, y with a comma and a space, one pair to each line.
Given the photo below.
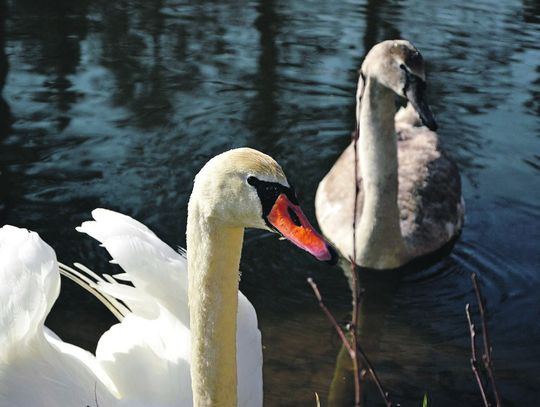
429, 202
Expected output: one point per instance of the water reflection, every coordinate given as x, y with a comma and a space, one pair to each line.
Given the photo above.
119, 104
378, 292
264, 106
402, 341
380, 17
5, 115
54, 50
136, 53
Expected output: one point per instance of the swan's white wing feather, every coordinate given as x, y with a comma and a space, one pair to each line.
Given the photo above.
138, 302
157, 342
30, 285
36, 368
53, 375
146, 356
148, 359
153, 266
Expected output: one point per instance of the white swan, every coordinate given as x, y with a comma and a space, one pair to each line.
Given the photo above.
36, 367
409, 199
146, 359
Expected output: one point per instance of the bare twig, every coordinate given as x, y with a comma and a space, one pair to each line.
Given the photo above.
375, 377
486, 357
355, 137
348, 345
355, 288
352, 345
359, 349
474, 362
331, 318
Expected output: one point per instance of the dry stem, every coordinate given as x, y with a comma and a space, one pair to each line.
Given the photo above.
352, 346
474, 362
486, 357
331, 318
349, 346
355, 288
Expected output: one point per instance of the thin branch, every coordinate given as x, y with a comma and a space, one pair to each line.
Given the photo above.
348, 344
355, 288
331, 318
352, 346
355, 136
375, 377
486, 357
474, 362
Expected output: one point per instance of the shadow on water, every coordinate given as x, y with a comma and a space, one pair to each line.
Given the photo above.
5, 114
135, 53
378, 26
57, 28
378, 288
52, 35
402, 339
264, 106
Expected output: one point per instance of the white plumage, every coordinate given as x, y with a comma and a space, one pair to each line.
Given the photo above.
164, 351
146, 355
36, 367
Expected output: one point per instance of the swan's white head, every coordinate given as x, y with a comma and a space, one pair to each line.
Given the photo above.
399, 66
246, 188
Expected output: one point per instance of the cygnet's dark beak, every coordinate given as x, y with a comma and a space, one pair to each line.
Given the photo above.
415, 90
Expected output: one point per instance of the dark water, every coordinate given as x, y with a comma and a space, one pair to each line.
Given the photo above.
119, 104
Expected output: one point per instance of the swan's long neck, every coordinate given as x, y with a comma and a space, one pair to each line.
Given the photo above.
213, 255
378, 238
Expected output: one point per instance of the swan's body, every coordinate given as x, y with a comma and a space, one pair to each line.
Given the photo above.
32, 358
409, 199
161, 349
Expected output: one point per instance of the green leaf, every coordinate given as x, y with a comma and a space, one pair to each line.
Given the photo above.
424, 402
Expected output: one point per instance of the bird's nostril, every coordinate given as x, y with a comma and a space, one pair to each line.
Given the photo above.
294, 217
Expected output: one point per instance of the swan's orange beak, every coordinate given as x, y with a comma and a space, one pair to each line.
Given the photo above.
289, 220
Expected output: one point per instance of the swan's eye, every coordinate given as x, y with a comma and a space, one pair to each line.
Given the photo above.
269, 192
251, 180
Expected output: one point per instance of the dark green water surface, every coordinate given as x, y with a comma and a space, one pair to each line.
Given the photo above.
118, 104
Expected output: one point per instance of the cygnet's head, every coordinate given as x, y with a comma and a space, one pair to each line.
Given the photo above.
399, 66
246, 188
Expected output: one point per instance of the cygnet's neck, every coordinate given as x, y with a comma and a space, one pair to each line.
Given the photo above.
379, 243
213, 258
